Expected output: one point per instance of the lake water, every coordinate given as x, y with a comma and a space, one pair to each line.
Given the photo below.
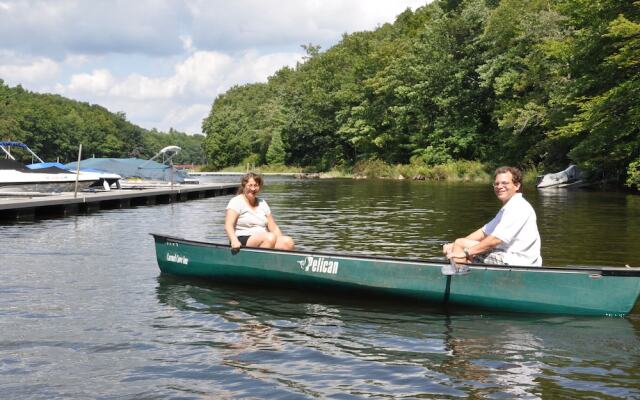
85, 313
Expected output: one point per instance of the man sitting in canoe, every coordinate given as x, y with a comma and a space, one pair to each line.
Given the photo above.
511, 237
249, 221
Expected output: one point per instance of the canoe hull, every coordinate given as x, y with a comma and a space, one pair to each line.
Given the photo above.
576, 291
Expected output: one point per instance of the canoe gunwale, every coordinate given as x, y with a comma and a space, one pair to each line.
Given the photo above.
594, 270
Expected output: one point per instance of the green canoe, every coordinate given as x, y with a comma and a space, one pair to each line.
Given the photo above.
575, 290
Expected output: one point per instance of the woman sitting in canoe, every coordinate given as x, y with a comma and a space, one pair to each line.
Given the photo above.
511, 237
249, 222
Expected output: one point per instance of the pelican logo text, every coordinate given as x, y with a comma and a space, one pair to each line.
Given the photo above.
177, 259
319, 264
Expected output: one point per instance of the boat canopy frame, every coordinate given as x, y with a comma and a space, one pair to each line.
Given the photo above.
5, 146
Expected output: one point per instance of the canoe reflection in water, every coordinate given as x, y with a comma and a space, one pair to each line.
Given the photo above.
471, 360
323, 345
251, 334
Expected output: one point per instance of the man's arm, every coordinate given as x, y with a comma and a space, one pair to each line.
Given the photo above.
488, 243
477, 235
469, 240
475, 243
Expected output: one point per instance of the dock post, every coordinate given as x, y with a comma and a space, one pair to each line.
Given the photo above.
71, 209
26, 214
75, 193
125, 203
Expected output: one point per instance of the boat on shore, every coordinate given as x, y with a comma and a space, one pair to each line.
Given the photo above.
568, 178
573, 290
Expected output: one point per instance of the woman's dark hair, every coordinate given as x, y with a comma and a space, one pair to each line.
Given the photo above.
245, 179
515, 173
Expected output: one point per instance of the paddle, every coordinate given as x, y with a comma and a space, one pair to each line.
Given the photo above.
449, 269
454, 269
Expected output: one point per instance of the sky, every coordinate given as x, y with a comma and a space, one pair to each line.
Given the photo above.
163, 62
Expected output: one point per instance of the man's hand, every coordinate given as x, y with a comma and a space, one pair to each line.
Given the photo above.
447, 249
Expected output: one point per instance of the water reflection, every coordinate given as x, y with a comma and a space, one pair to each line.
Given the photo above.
330, 345
572, 218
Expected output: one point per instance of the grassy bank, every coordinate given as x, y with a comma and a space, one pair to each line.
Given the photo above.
455, 171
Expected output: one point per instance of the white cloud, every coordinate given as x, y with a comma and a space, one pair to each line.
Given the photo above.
286, 23
187, 43
181, 100
58, 28
158, 27
202, 74
33, 71
189, 117
97, 83
163, 62
77, 60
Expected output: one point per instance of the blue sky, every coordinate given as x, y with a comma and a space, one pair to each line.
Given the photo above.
163, 62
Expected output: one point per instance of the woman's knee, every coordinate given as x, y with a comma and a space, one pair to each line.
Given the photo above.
285, 243
266, 239
269, 240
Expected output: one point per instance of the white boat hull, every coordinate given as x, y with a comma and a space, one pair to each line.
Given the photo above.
16, 181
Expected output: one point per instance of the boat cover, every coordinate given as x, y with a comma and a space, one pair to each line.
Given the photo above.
46, 165
132, 168
18, 166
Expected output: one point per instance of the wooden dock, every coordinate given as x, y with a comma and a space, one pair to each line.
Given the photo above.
27, 207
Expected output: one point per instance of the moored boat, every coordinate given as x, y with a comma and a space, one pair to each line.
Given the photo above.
105, 180
138, 173
551, 290
15, 177
51, 175
570, 177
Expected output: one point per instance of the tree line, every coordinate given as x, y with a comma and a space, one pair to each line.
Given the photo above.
533, 83
54, 126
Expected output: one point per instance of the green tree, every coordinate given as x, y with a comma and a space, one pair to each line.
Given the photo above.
443, 92
241, 124
526, 68
275, 152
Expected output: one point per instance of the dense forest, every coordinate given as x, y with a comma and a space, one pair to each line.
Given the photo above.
533, 83
54, 126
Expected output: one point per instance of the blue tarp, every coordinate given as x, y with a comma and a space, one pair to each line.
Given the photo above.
131, 168
46, 165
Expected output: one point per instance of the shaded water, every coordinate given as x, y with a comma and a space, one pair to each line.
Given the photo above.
84, 312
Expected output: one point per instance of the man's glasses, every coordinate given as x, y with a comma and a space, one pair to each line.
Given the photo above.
503, 183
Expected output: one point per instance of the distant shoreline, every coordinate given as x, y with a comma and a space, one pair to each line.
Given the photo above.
230, 173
